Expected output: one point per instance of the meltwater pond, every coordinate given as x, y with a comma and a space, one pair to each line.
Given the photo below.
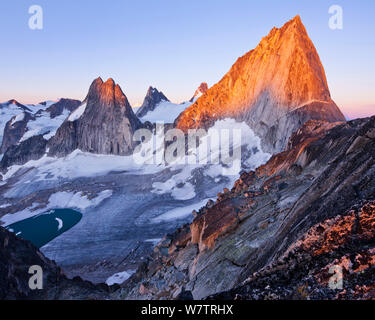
46, 226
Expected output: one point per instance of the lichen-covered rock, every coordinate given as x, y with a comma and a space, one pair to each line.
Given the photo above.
342, 247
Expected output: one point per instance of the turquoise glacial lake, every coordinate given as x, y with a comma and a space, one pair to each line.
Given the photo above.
44, 227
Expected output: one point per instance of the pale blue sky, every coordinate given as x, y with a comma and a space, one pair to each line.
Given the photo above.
173, 45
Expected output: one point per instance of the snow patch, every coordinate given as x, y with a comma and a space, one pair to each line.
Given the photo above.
76, 114
80, 164
154, 241
179, 213
19, 117
60, 223
43, 124
78, 200
165, 111
119, 277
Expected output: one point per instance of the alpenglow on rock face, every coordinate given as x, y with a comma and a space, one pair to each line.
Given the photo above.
104, 123
202, 89
275, 88
152, 99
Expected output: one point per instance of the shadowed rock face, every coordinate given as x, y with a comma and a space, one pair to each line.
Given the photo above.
326, 170
17, 256
276, 88
14, 131
30, 149
106, 125
152, 99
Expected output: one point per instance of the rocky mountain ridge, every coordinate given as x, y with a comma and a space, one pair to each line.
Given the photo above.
17, 126
104, 123
152, 99
202, 89
275, 88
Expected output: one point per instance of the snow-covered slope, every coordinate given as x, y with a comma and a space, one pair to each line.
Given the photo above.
166, 112
44, 124
40, 106
21, 122
146, 200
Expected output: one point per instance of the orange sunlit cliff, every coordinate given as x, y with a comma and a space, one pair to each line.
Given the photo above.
275, 88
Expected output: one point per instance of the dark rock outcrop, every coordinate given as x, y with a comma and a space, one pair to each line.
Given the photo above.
275, 88
31, 149
16, 127
105, 125
327, 170
63, 104
17, 256
14, 130
152, 99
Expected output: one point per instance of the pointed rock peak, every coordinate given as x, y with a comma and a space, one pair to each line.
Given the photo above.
202, 89
106, 92
155, 95
297, 24
152, 99
95, 85
12, 101
110, 82
282, 77
293, 26
296, 19
98, 80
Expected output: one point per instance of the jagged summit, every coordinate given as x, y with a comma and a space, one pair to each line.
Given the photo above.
275, 88
14, 103
104, 123
202, 89
107, 92
152, 99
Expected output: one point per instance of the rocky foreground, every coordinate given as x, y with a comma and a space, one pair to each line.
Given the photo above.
275, 234
17, 256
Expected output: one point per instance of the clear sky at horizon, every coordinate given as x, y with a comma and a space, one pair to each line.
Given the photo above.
173, 45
